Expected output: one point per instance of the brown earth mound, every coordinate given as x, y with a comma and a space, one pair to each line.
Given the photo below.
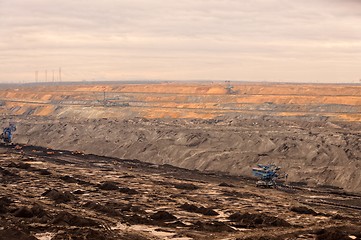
303, 210
253, 220
128, 190
4, 204
163, 216
24, 212
339, 233
108, 186
59, 196
202, 210
65, 218
212, 226
186, 186
15, 234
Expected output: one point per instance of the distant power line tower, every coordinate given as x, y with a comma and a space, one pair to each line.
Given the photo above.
53, 79
60, 74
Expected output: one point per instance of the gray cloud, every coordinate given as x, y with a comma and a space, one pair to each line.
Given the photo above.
283, 40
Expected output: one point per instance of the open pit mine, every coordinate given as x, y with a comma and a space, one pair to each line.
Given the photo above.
180, 161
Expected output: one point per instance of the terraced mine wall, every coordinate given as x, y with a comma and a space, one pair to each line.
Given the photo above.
312, 131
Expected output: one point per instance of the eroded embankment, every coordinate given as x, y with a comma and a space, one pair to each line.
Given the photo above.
315, 153
205, 101
311, 131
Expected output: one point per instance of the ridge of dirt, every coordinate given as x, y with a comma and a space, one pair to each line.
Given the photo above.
309, 152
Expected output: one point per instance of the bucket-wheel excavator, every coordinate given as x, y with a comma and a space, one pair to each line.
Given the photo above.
268, 174
7, 134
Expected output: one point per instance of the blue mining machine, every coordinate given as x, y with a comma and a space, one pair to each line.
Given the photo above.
267, 175
7, 134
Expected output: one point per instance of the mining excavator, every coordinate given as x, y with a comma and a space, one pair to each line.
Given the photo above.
7, 134
268, 174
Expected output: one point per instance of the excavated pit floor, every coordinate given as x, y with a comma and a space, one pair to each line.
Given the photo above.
52, 194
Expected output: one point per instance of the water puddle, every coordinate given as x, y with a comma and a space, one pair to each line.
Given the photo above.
153, 231
44, 236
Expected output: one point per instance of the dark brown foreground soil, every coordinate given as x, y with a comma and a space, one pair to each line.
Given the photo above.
92, 197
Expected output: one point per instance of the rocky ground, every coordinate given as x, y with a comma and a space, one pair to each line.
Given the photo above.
53, 194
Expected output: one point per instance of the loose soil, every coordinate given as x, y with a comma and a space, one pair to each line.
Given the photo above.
38, 206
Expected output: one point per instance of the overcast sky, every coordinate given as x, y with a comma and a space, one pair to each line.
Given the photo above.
253, 40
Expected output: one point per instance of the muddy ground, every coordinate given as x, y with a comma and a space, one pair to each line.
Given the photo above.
51, 194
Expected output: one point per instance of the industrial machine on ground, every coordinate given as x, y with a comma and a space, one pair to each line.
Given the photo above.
7, 134
229, 88
268, 174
